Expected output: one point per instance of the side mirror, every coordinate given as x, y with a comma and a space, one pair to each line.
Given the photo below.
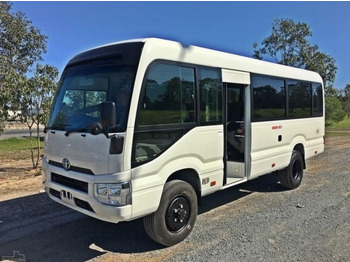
108, 114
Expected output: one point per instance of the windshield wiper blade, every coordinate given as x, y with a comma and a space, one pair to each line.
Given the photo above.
58, 127
76, 130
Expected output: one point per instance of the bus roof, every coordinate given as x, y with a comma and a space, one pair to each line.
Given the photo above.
161, 49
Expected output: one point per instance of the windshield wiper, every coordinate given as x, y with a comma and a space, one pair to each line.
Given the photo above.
94, 128
57, 127
76, 130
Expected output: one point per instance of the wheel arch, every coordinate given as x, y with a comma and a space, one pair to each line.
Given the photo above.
300, 147
189, 176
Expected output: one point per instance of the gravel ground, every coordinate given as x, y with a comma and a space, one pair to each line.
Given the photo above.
255, 221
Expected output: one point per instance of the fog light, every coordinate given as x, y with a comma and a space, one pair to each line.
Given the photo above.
113, 194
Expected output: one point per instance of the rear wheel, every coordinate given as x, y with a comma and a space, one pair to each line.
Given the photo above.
291, 176
176, 214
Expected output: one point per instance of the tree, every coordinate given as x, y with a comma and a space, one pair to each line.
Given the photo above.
334, 111
287, 40
21, 45
25, 85
344, 97
347, 90
35, 102
346, 106
288, 45
322, 64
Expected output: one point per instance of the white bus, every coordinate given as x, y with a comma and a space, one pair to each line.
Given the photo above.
145, 128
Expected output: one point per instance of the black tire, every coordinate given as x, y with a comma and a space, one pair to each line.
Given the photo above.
291, 176
176, 214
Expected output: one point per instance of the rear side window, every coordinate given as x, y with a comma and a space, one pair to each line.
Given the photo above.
299, 96
269, 97
317, 100
279, 98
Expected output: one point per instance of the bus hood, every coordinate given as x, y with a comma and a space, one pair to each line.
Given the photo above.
80, 152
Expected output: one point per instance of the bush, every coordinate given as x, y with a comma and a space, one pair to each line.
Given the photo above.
334, 111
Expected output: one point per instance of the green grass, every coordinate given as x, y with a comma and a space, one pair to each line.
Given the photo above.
339, 129
17, 144
17, 148
345, 124
337, 133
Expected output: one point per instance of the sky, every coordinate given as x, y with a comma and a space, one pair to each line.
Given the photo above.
73, 27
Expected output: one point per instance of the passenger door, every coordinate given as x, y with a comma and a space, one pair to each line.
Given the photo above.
237, 125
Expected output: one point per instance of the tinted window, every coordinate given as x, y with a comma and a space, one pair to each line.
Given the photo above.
299, 95
148, 145
317, 104
167, 106
284, 98
269, 98
168, 96
210, 96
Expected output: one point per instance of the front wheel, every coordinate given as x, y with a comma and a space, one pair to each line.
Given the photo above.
176, 215
291, 176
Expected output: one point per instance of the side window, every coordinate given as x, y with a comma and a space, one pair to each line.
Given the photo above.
210, 87
168, 96
299, 95
317, 104
269, 97
148, 145
167, 105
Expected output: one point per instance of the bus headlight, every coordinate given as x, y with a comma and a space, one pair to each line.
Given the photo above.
117, 194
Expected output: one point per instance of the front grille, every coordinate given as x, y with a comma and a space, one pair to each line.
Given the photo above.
78, 202
70, 182
83, 204
73, 168
55, 193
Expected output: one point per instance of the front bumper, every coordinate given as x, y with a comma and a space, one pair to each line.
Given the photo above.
75, 190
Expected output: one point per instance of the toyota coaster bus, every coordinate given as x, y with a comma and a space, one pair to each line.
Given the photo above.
145, 128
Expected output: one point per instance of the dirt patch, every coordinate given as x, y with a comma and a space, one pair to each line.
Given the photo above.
18, 178
337, 142
332, 145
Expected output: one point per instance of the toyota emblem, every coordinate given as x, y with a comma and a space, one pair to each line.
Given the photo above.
66, 163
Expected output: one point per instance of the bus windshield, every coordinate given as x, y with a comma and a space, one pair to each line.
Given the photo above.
83, 88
